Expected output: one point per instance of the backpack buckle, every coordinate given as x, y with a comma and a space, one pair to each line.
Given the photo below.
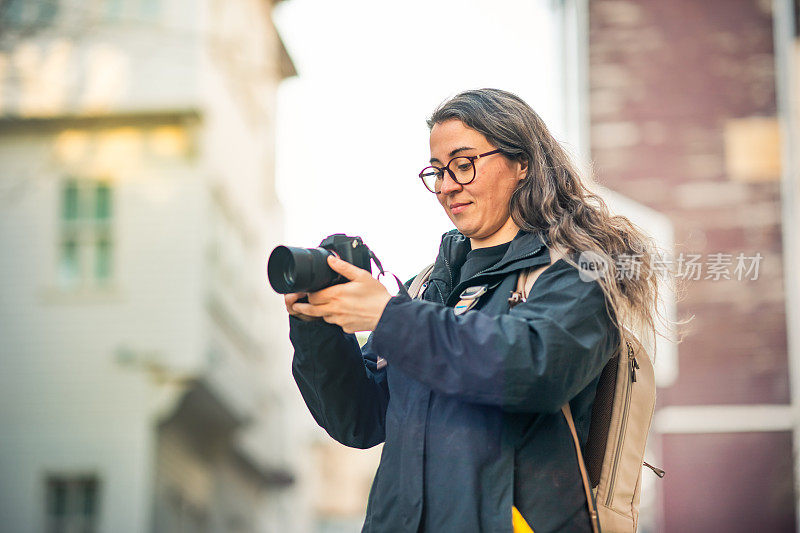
469, 297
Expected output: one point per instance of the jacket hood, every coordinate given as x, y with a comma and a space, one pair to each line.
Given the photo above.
455, 246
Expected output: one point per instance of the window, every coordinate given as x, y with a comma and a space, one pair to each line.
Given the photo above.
86, 246
72, 504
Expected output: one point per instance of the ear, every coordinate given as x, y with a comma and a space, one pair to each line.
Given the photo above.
523, 168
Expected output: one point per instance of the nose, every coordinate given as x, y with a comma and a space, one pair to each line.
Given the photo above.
449, 185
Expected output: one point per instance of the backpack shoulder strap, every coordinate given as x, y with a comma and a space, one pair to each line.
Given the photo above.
419, 280
528, 277
587, 488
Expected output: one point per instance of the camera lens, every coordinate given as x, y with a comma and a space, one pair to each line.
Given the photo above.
299, 269
280, 270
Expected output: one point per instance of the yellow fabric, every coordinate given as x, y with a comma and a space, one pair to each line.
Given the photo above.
519, 523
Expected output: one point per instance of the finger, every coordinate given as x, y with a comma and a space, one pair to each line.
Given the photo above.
292, 297
331, 319
350, 271
309, 309
322, 296
290, 300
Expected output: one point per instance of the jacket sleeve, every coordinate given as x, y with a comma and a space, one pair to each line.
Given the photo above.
533, 359
342, 387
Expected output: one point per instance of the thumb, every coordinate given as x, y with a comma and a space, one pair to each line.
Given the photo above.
348, 270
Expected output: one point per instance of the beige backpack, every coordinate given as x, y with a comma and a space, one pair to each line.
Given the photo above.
611, 462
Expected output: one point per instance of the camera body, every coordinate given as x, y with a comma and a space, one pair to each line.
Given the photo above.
350, 249
291, 269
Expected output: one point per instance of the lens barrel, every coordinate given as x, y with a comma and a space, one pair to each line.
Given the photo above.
291, 269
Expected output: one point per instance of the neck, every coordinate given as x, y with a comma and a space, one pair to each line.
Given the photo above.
505, 234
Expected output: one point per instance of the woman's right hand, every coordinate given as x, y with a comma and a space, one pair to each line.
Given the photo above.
290, 299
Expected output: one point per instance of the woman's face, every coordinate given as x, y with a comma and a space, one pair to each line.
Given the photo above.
480, 209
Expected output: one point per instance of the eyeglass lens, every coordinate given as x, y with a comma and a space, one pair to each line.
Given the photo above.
462, 168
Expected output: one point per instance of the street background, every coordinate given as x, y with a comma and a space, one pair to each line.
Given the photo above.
154, 152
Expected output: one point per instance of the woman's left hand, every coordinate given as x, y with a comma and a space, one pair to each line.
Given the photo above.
355, 306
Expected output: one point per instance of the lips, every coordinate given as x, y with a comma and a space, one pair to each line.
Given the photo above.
457, 207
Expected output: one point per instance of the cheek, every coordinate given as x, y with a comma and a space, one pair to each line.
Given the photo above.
499, 195
496, 202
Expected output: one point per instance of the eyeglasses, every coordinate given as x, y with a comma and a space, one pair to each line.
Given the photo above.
463, 171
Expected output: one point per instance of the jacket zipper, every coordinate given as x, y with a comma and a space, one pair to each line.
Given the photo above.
526, 256
657, 471
632, 366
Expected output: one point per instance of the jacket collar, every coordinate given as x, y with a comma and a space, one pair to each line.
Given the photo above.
525, 250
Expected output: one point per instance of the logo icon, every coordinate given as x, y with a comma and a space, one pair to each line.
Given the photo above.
592, 266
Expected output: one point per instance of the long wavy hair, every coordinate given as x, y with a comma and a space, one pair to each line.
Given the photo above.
553, 200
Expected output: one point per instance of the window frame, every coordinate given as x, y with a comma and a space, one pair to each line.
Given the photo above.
88, 227
74, 517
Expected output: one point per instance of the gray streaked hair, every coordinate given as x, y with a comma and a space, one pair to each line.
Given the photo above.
553, 200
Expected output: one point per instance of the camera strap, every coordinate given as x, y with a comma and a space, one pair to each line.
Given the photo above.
381, 272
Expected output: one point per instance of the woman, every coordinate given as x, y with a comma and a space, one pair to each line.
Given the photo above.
468, 402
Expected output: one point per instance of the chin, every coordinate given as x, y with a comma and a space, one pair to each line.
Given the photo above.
466, 229
466, 232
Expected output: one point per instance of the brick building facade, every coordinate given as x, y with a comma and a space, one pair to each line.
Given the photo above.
684, 117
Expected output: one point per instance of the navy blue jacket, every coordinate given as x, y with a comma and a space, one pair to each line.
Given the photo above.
468, 406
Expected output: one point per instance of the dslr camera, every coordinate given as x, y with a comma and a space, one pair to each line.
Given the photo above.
291, 269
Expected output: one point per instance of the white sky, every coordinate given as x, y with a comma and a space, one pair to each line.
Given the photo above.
351, 127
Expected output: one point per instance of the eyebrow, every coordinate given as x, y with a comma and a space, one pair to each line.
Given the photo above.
454, 152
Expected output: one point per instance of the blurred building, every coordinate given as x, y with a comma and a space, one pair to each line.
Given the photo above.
340, 484
692, 112
144, 371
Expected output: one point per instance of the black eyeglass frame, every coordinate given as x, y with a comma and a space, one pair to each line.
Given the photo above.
472, 158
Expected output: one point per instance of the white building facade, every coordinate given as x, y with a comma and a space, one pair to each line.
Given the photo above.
144, 370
